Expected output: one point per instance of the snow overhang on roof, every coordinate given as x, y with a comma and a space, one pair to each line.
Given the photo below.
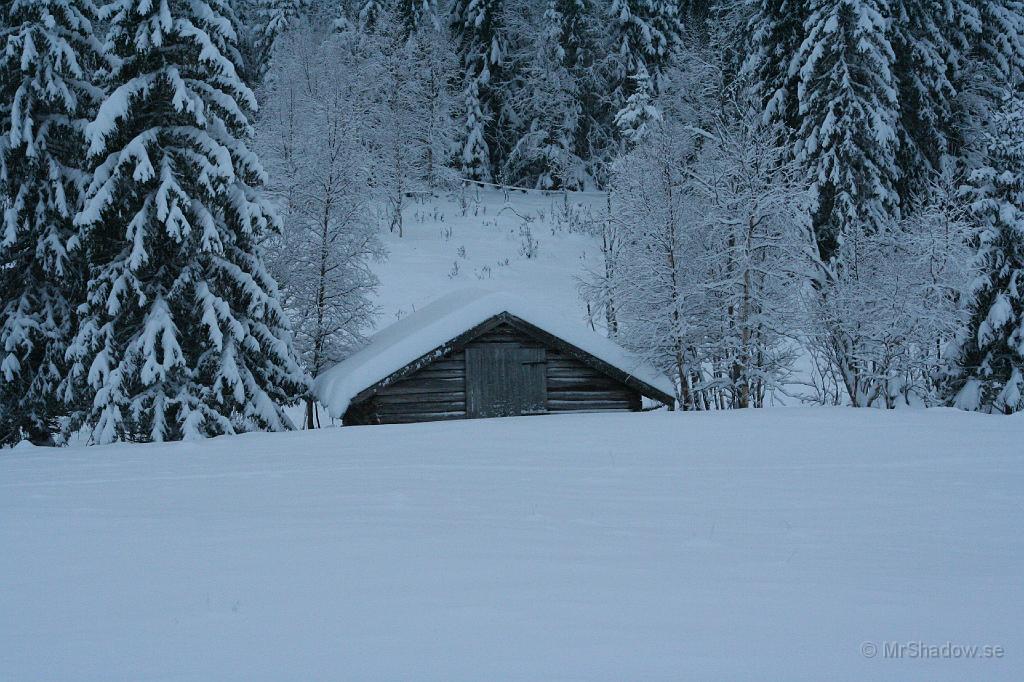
432, 327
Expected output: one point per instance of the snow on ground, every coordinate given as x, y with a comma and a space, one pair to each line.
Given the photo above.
762, 545
444, 248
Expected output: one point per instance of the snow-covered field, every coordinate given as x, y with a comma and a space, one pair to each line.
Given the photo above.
445, 248
763, 545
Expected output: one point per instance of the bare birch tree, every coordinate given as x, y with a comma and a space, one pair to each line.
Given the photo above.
314, 138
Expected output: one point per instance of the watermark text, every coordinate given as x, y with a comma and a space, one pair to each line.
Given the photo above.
927, 650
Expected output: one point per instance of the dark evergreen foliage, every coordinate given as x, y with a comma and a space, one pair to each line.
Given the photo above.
182, 334
988, 372
47, 55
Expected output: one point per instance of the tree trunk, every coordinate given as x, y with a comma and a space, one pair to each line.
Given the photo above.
309, 414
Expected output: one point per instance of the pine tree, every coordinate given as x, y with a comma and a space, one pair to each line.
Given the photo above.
47, 53
635, 118
475, 157
999, 35
929, 46
988, 372
848, 106
182, 334
776, 31
476, 24
417, 15
573, 37
549, 103
370, 13
259, 25
583, 43
847, 144
437, 68
645, 35
278, 15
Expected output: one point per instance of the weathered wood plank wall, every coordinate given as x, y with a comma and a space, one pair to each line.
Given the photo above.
575, 387
436, 392
439, 390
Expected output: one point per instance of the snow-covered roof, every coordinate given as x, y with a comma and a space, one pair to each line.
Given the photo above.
433, 326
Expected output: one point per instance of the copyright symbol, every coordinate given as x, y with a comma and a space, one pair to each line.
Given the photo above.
868, 650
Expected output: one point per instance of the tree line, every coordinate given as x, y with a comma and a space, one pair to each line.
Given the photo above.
821, 196
823, 199
826, 189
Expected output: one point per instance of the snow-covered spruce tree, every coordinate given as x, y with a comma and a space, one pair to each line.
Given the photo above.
947, 52
575, 35
47, 55
644, 33
930, 45
316, 113
370, 13
639, 112
476, 26
474, 158
998, 27
775, 30
847, 144
182, 334
848, 108
260, 24
988, 372
417, 15
589, 59
549, 105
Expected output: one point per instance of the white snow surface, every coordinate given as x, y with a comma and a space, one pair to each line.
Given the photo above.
748, 545
434, 325
445, 249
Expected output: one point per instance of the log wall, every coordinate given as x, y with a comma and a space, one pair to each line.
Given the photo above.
438, 391
576, 387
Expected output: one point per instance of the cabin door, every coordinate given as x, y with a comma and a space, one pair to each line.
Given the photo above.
504, 379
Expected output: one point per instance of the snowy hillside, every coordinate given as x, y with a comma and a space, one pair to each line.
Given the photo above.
738, 545
524, 243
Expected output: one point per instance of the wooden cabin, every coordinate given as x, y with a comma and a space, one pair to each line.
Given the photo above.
485, 360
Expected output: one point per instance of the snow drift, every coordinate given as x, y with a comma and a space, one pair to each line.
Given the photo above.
749, 545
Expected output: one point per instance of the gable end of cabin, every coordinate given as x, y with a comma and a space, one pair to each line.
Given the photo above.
502, 367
